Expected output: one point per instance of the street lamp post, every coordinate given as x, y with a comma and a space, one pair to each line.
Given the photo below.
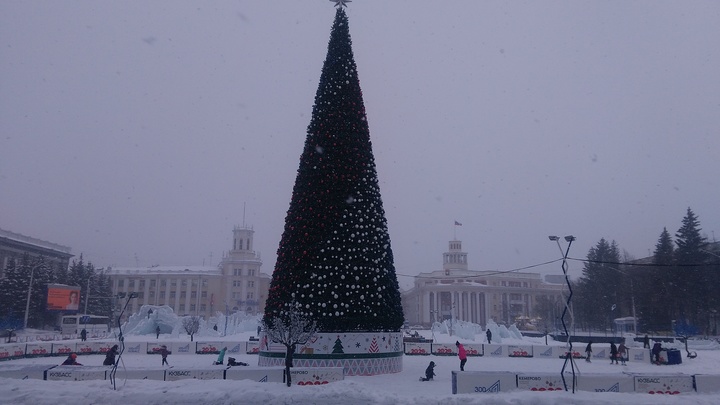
568, 358
87, 296
27, 303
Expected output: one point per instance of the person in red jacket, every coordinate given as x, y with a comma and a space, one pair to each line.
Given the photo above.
462, 355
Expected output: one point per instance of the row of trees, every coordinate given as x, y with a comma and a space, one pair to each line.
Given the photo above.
675, 288
14, 290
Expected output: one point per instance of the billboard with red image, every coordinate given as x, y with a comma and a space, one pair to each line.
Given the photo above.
63, 297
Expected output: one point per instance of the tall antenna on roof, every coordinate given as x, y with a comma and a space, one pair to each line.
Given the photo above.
243, 214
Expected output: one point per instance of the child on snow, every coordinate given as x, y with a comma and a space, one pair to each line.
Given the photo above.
429, 372
71, 360
232, 362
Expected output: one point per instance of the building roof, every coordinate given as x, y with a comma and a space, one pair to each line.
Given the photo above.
161, 270
60, 250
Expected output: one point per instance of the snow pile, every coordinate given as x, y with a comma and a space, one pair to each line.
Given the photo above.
150, 317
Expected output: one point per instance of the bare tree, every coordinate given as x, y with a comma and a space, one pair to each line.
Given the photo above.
290, 329
191, 324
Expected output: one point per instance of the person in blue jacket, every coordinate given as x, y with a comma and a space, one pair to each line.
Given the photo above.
221, 357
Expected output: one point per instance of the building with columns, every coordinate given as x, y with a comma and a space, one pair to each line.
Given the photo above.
235, 284
456, 292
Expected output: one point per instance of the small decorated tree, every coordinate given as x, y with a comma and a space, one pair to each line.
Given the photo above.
290, 329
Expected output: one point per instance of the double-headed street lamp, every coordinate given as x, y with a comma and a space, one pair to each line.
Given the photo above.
568, 357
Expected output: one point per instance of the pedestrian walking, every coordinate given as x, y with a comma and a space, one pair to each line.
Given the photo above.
613, 353
83, 335
622, 352
157, 332
588, 351
489, 336
462, 355
646, 342
164, 353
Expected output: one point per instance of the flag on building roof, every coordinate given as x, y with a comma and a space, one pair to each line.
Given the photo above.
457, 223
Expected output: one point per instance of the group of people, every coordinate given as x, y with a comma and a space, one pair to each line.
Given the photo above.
618, 354
110, 355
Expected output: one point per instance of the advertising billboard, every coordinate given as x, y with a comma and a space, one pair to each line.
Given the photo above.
63, 297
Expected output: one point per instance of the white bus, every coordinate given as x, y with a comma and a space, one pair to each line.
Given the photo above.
93, 324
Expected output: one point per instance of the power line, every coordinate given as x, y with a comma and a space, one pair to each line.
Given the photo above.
489, 272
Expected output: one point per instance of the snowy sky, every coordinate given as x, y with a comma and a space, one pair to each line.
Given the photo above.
135, 132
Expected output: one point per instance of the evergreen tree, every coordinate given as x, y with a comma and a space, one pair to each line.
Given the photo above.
11, 293
334, 258
601, 285
14, 292
101, 300
690, 275
656, 298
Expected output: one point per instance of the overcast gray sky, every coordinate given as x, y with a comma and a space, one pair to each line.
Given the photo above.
135, 131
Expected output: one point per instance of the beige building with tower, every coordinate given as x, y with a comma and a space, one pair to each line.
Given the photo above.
475, 296
235, 284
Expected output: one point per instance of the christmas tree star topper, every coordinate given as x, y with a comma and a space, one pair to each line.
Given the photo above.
341, 3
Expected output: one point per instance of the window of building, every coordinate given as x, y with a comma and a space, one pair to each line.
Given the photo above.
204, 283
152, 283
152, 293
250, 295
184, 283
192, 307
172, 294
251, 272
121, 283
182, 307
131, 284
141, 294
163, 283
237, 272
141, 284
193, 294
183, 294
515, 284
203, 294
173, 283
162, 294
202, 307
251, 284
516, 297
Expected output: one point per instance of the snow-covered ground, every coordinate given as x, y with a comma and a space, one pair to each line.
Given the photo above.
398, 388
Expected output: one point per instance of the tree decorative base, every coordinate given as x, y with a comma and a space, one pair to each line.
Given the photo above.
359, 353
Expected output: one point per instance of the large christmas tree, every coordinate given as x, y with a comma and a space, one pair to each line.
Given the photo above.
334, 261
